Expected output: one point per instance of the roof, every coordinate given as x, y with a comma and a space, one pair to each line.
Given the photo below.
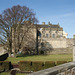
47, 26
55, 26
40, 25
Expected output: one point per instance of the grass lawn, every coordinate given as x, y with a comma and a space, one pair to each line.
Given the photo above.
57, 57
5, 73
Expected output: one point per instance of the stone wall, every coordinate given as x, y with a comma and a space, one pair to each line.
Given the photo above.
58, 45
58, 42
59, 51
69, 42
55, 42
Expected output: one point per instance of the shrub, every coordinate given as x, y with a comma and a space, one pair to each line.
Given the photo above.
30, 66
1, 67
26, 50
69, 61
49, 64
41, 52
37, 65
25, 65
20, 55
60, 62
5, 65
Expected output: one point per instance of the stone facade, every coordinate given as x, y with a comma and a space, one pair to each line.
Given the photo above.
51, 31
52, 36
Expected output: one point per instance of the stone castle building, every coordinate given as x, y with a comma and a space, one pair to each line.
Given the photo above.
51, 38
52, 31
53, 35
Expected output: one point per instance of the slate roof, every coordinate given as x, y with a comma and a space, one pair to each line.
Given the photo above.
40, 25
55, 26
47, 26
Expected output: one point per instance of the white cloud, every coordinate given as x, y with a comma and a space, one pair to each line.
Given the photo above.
67, 14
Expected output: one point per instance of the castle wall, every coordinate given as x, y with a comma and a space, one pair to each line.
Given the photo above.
69, 42
58, 42
58, 45
55, 42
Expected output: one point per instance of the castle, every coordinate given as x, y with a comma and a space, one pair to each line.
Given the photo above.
52, 31
51, 37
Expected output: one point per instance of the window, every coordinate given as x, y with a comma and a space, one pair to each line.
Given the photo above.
47, 35
60, 35
53, 36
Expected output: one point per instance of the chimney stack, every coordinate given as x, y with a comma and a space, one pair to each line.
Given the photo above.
49, 23
74, 36
43, 23
74, 39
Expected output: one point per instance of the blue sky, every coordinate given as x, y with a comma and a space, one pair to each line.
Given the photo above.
55, 11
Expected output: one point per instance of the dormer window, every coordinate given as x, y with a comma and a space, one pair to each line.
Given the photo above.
53, 35
47, 35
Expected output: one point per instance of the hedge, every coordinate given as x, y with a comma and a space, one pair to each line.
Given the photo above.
5, 66
25, 65
38, 65
49, 64
60, 62
35, 65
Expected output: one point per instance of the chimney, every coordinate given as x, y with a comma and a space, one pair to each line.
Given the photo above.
74, 40
74, 36
43, 23
49, 23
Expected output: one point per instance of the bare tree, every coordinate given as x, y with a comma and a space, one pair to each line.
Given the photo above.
12, 22
5, 34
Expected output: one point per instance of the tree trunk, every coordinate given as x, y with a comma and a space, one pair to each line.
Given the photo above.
14, 42
37, 40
